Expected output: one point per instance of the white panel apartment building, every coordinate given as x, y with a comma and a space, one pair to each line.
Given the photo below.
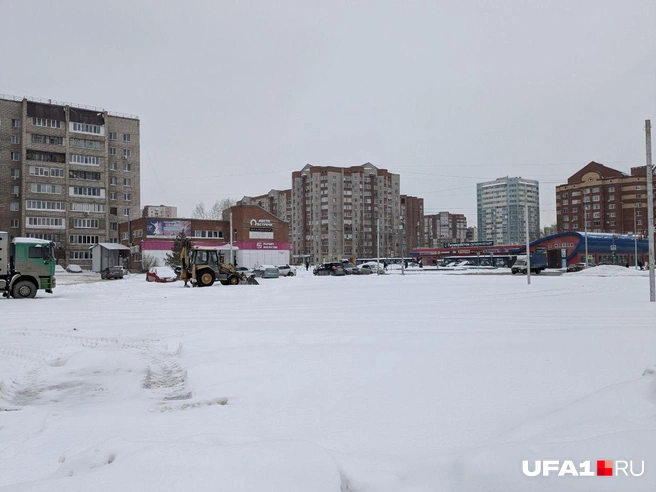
334, 212
68, 174
501, 210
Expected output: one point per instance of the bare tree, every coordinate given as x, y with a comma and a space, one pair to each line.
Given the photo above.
147, 262
214, 213
199, 211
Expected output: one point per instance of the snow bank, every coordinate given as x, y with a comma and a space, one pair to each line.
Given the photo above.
611, 271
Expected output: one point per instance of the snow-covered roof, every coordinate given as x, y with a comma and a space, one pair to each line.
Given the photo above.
30, 240
112, 246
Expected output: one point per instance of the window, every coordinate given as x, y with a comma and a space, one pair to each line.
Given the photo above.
85, 144
638, 187
113, 226
611, 214
15, 173
112, 135
47, 139
87, 128
15, 139
596, 215
595, 190
15, 190
44, 205
124, 236
566, 218
14, 223
611, 198
611, 189
46, 122
15, 156
596, 206
639, 222
85, 223
51, 222
112, 151
215, 234
565, 202
127, 197
596, 198
79, 255
113, 166
86, 191
113, 180
82, 239
113, 210
112, 195
87, 160
127, 166
14, 206
586, 191
126, 152
46, 157
88, 207
611, 206
638, 213
45, 188
84, 175
126, 137
126, 212
127, 182
137, 233
15, 123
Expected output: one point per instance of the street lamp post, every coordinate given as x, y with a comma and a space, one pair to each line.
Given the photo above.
585, 225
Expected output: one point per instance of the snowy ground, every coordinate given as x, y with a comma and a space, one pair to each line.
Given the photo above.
426, 382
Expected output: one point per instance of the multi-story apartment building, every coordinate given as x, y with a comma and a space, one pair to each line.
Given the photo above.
472, 234
159, 211
412, 228
342, 212
276, 202
598, 198
68, 173
501, 210
444, 227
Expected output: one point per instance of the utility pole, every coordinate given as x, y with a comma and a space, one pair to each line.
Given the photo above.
650, 210
402, 246
377, 246
528, 244
585, 225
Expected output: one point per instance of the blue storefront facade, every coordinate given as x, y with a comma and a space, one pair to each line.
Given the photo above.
603, 249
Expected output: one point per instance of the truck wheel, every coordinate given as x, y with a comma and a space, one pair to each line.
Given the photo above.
205, 278
23, 289
537, 272
233, 280
290, 274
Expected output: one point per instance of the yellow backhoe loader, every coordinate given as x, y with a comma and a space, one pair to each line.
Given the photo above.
203, 265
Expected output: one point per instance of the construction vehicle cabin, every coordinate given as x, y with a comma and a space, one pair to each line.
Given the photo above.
26, 265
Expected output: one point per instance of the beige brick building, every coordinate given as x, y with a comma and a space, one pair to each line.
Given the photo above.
335, 212
68, 173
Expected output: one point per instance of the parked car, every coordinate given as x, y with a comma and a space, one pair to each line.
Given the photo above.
350, 268
370, 267
74, 269
112, 273
259, 271
286, 270
161, 274
576, 267
335, 268
271, 272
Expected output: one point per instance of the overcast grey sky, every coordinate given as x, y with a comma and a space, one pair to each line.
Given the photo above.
234, 96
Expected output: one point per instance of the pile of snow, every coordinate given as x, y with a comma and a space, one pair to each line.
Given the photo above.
611, 271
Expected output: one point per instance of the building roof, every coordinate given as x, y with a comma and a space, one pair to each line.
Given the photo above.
604, 172
111, 246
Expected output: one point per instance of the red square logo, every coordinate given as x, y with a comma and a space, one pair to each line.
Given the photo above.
604, 468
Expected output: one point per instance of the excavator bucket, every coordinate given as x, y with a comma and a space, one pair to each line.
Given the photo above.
247, 280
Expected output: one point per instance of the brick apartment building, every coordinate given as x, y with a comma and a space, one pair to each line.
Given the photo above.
335, 212
602, 199
444, 227
68, 174
412, 211
160, 211
276, 202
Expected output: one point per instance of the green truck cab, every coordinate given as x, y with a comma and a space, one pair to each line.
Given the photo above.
26, 265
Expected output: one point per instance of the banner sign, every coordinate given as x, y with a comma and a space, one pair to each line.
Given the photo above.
167, 228
472, 244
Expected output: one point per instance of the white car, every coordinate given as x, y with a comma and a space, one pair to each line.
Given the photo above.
370, 267
286, 270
